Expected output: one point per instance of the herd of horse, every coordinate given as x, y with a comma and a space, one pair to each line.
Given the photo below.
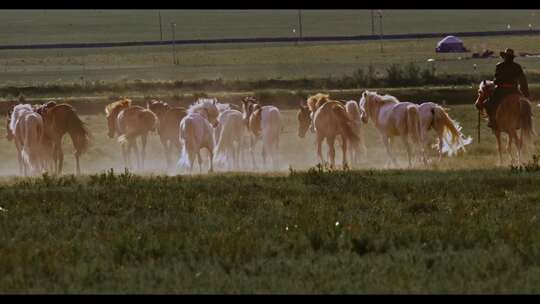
230, 132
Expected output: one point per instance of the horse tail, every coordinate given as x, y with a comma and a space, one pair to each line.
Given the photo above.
527, 126
219, 150
346, 125
122, 139
413, 124
440, 116
79, 133
149, 120
187, 135
32, 139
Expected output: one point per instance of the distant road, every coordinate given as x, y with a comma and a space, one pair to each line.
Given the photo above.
268, 40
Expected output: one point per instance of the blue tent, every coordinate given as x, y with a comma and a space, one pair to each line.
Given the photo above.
450, 44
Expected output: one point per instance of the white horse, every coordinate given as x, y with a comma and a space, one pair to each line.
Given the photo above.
27, 128
394, 118
196, 133
449, 137
264, 123
357, 116
229, 137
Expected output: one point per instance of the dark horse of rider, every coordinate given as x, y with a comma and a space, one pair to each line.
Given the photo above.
508, 75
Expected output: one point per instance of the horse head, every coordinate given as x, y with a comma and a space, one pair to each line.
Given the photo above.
10, 135
248, 105
255, 120
158, 107
111, 111
317, 100
484, 91
304, 119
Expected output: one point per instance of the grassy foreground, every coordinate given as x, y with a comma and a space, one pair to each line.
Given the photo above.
314, 232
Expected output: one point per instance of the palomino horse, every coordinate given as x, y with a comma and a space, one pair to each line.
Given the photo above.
450, 138
229, 137
514, 112
329, 120
11, 137
130, 122
196, 133
264, 123
26, 127
358, 116
394, 118
59, 120
169, 125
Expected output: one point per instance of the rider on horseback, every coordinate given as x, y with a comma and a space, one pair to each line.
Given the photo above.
507, 76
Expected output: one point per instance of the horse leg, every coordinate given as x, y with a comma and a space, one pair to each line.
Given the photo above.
236, 152
166, 149
319, 149
144, 140
517, 142
251, 150
344, 149
405, 141
77, 162
60, 157
391, 159
509, 147
499, 146
199, 160
440, 146
264, 155
137, 155
331, 151
21, 161
125, 154
211, 157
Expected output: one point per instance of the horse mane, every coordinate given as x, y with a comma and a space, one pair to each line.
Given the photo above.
381, 98
112, 107
223, 107
486, 84
201, 103
15, 114
315, 101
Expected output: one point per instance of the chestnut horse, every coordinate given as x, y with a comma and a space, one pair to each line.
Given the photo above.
130, 122
514, 113
59, 120
169, 126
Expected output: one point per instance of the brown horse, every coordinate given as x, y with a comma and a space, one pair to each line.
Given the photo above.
514, 112
330, 120
169, 125
130, 122
59, 120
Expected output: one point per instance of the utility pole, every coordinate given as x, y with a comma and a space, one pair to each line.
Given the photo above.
173, 26
300, 22
372, 22
160, 27
381, 29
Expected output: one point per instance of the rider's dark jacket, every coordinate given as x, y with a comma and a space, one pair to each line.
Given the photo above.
508, 75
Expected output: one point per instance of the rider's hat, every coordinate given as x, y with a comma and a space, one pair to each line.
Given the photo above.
508, 53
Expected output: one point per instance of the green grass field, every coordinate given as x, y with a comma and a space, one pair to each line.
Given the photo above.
68, 26
243, 61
